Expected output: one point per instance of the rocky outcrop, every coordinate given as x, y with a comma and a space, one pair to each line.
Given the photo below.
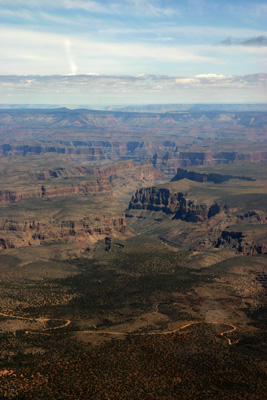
236, 240
198, 177
155, 199
231, 238
79, 180
43, 191
107, 171
215, 158
107, 243
177, 204
171, 160
189, 211
252, 217
85, 230
253, 249
55, 173
6, 244
110, 171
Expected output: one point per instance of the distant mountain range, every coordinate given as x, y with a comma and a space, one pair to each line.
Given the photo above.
153, 108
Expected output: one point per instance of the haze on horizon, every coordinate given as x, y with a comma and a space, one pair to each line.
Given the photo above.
132, 51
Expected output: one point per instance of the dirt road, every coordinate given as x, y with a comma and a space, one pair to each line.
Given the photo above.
116, 333
230, 342
165, 332
40, 319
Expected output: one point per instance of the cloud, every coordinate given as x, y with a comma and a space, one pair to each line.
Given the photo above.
147, 8
250, 10
51, 54
224, 81
118, 89
87, 5
253, 41
211, 76
152, 8
91, 56
135, 20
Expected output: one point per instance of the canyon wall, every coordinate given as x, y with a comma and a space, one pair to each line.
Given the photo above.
199, 177
237, 241
177, 204
49, 191
83, 231
163, 153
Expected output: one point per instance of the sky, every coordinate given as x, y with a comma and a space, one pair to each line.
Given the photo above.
132, 51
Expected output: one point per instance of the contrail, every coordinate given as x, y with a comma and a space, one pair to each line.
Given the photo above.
72, 64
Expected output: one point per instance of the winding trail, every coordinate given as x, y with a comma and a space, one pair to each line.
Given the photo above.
165, 332
230, 342
40, 319
116, 333
91, 332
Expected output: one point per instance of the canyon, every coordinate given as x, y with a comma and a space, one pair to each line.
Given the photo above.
131, 239
53, 159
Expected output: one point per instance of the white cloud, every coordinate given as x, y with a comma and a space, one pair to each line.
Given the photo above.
119, 7
248, 10
15, 43
129, 7
213, 31
87, 5
50, 55
132, 81
211, 76
86, 89
22, 14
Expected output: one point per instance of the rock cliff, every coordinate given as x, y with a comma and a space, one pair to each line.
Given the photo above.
252, 217
49, 191
165, 154
237, 241
54, 173
83, 231
179, 159
199, 177
177, 204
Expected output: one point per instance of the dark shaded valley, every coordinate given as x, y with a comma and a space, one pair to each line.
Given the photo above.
133, 250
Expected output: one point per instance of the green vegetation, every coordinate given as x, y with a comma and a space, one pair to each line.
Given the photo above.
116, 288
130, 281
192, 365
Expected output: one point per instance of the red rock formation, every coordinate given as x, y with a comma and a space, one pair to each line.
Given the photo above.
84, 230
107, 171
43, 191
156, 199
198, 177
237, 241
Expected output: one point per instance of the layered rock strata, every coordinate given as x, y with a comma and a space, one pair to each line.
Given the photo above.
83, 231
198, 177
177, 204
236, 240
48, 191
164, 153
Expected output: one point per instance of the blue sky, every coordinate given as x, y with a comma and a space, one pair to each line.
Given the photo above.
133, 51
